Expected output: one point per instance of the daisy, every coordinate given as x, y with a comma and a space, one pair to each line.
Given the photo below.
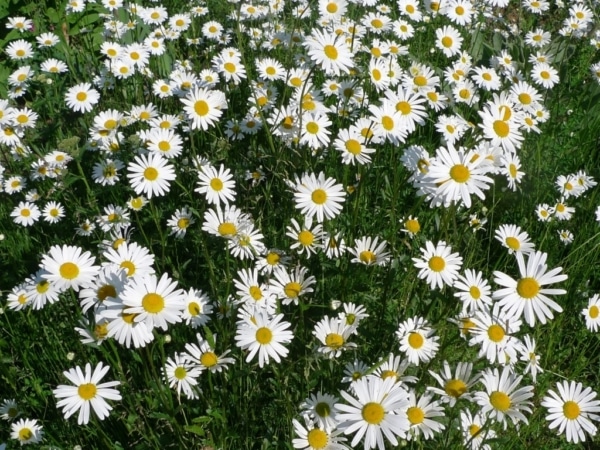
495, 333
313, 437
156, 302
106, 172
40, 290
448, 40
334, 335
265, 336
511, 165
26, 431
572, 410
26, 214
164, 142
17, 300
592, 313
503, 398
527, 295
290, 286
19, 49
108, 283
515, 240
82, 97
411, 226
197, 309
376, 408
353, 314
544, 75
314, 132
9, 410
420, 413
137, 261
562, 211
270, 260
123, 327
307, 238
204, 107
320, 409
247, 242
438, 265
544, 212
204, 355
329, 52
69, 267
393, 367
318, 196
499, 130
474, 431
253, 293
370, 252
529, 356
180, 221
457, 386
474, 291
351, 145
417, 340
566, 237
217, 185
150, 175
182, 375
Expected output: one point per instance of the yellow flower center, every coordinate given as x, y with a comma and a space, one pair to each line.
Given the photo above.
194, 309
412, 225
323, 409
25, 434
87, 391
108, 290
447, 41
415, 415
353, 147
201, 108
415, 340
474, 429
528, 287
110, 124
25, 212
496, 333
69, 270
455, 388
571, 410
500, 401
331, 52
513, 243
312, 127
501, 128
512, 169
594, 311
459, 10
319, 196
153, 302
317, 438
255, 293
229, 67
208, 359
420, 80
437, 263
273, 258
150, 173
387, 122
306, 238
331, 8
183, 223
373, 413
227, 229
367, 257
545, 74
475, 292
460, 173
525, 98
264, 335
334, 340
129, 266
404, 107
292, 289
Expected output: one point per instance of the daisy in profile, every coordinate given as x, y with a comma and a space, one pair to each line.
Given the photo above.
217, 185
82, 97
265, 336
205, 357
374, 409
420, 413
334, 245
204, 107
26, 431
87, 393
527, 295
156, 302
17, 300
394, 366
198, 308
511, 165
502, 398
316, 195
417, 340
333, 335
369, 251
529, 355
437, 265
515, 240
474, 291
457, 386
572, 410
330, 52
313, 437
69, 267
150, 175
592, 313
182, 375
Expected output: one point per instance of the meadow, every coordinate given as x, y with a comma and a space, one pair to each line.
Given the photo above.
276, 224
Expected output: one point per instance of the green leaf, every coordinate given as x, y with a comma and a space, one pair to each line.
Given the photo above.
196, 429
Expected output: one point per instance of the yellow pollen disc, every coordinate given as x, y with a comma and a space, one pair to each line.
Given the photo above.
273, 258
42, 287
262, 101
136, 203
475, 292
367, 257
183, 223
571, 410
528, 287
20, 52
334, 340
450, 128
201, 108
69, 270
466, 325
376, 74
209, 359
415, 340
376, 52
331, 8
459, 10
112, 52
412, 225
474, 429
271, 71
306, 238
25, 434
319, 196
317, 438
560, 207
500, 401
100, 331
296, 82
22, 299
113, 217
387, 122
525, 98
153, 302
87, 391
180, 373
420, 80
544, 74
512, 169
353, 147
154, 15
460, 173
513, 243
436, 263
229, 67
179, 22
410, 9
108, 290
25, 212
312, 127
150, 173
134, 55
455, 388
486, 76
255, 293
216, 184
194, 309
447, 41
81, 96
227, 229
129, 266
496, 333
568, 186
373, 413
404, 108
415, 415
376, 23
323, 409
388, 374
593, 312
464, 94
110, 124
501, 128
264, 335
292, 289
212, 29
